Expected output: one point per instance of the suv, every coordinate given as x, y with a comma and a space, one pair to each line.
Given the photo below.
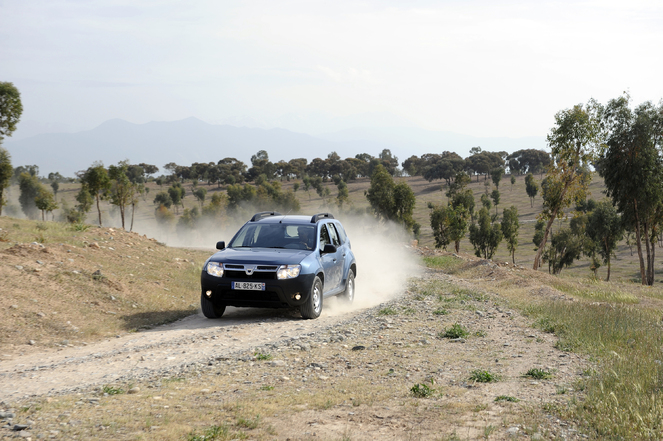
277, 261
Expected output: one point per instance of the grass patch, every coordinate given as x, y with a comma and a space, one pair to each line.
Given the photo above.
421, 390
261, 356
441, 311
112, 390
389, 310
249, 423
483, 376
455, 331
448, 263
537, 374
506, 398
214, 433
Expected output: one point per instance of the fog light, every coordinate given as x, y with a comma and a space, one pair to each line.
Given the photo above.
208, 293
298, 296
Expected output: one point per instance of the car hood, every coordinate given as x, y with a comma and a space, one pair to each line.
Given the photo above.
268, 256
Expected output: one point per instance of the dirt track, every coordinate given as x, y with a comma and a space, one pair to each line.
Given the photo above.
168, 348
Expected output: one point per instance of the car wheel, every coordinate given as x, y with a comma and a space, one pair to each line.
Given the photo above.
313, 306
348, 295
210, 310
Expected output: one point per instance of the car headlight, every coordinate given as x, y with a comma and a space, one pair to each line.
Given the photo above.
288, 271
214, 269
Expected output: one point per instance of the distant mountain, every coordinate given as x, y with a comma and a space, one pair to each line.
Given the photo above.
192, 140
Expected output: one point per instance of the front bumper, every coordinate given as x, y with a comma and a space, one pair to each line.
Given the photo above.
277, 293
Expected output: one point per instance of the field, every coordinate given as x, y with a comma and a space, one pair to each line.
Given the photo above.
624, 265
463, 348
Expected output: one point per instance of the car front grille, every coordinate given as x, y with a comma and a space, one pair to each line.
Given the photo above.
250, 272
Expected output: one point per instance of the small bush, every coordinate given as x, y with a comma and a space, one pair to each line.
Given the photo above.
389, 310
481, 376
440, 311
538, 374
213, 433
456, 331
421, 390
249, 423
507, 398
261, 356
111, 390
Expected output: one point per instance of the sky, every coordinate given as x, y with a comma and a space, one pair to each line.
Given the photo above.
475, 67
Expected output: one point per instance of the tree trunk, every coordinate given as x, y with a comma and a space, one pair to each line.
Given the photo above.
133, 210
513, 256
638, 243
42, 216
98, 209
457, 246
607, 279
543, 241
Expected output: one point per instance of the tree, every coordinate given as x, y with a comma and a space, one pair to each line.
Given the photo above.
572, 142
604, 227
513, 181
177, 193
122, 190
163, 198
200, 194
632, 168
6, 173
565, 247
531, 187
97, 182
449, 225
496, 175
391, 201
510, 226
343, 194
495, 196
485, 201
10, 109
485, 236
45, 201
29, 186
528, 161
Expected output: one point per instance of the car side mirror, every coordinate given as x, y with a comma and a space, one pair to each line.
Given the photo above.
329, 249
220, 245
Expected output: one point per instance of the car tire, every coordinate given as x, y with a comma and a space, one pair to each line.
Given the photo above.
210, 310
348, 295
313, 306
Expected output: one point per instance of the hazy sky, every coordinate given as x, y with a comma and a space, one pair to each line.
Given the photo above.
483, 68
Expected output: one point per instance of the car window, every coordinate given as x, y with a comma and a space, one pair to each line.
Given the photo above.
341, 232
334, 236
324, 237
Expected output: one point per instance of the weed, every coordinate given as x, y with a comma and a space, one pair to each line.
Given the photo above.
561, 390
507, 398
41, 227
79, 227
4, 236
112, 390
267, 387
442, 262
456, 331
249, 423
488, 430
482, 376
547, 324
480, 407
440, 311
261, 356
389, 310
538, 374
480, 333
40, 238
212, 433
409, 311
421, 390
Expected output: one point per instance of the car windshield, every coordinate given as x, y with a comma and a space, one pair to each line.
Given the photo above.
257, 235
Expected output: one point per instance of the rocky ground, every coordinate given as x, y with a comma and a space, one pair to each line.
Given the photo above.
388, 372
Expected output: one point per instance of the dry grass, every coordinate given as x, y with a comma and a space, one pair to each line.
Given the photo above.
80, 286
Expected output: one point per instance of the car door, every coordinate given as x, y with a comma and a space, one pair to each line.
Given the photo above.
340, 253
328, 261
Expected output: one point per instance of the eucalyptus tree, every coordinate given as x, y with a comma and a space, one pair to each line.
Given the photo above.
6, 173
11, 109
510, 226
632, 168
605, 229
573, 142
97, 183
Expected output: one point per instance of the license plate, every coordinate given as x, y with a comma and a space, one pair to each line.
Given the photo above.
249, 286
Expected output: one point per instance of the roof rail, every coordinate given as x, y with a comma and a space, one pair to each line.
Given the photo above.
317, 217
256, 217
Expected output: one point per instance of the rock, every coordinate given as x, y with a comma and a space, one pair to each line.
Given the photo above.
134, 390
19, 267
32, 342
40, 262
25, 434
512, 431
41, 314
457, 340
13, 307
7, 415
276, 363
94, 245
359, 348
18, 427
480, 313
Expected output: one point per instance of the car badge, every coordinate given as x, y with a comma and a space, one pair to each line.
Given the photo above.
249, 270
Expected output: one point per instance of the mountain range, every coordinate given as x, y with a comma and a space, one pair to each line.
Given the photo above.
192, 140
